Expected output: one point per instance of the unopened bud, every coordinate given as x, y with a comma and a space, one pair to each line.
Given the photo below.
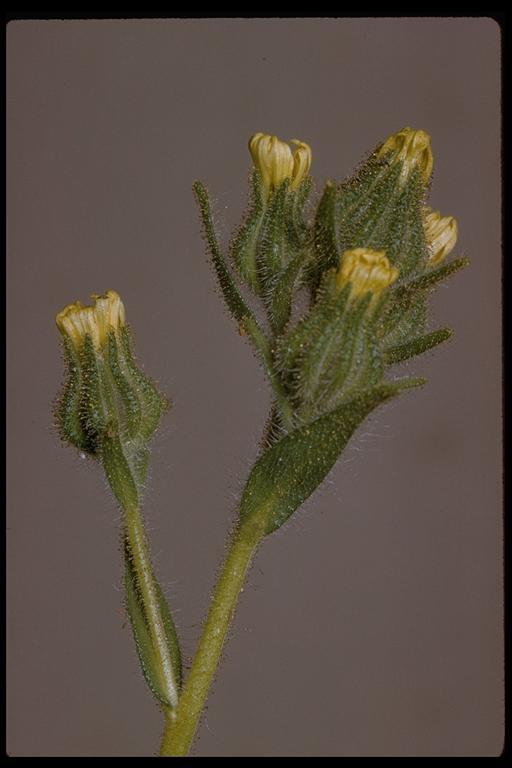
106, 395
412, 149
441, 235
301, 163
77, 321
365, 270
276, 162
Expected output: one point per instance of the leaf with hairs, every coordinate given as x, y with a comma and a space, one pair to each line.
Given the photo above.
288, 472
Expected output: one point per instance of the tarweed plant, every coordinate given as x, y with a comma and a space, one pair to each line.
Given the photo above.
366, 255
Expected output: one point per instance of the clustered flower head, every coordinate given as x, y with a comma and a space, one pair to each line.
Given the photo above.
365, 270
441, 235
276, 162
411, 148
77, 321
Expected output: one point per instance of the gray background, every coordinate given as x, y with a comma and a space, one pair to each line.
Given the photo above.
372, 623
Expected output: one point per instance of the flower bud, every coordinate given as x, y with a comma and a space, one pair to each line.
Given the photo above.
76, 321
441, 235
301, 162
412, 149
365, 270
276, 162
106, 396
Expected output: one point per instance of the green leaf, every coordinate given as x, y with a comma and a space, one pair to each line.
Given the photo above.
416, 346
332, 352
273, 246
120, 474
298, 227
128, 394
403, 321
281, 298
336, 360
289, 471
142, 395
244, 244
430, 278
68, 409
232, 295
95, 402
405, 313
139, 622
369, 207
326, 246
294, 347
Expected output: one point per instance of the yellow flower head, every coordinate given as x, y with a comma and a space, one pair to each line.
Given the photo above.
413, 149
366, 270
105, 315
276, 162
441, 235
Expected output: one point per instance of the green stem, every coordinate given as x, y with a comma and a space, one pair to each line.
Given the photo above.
181, 726
139, 550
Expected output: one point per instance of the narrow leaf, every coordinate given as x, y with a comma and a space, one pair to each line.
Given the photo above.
416, 346
67, 411
429, 279
273, 247
407, 303
325, 237
283, 292
232, 295
139, 622
244, 244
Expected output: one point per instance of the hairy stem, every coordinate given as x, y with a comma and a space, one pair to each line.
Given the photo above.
181, 727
